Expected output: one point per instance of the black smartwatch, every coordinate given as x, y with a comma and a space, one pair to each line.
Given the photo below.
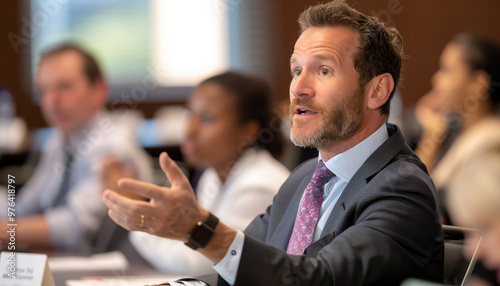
202, 232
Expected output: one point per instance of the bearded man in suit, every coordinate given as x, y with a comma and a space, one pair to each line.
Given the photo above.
363, 213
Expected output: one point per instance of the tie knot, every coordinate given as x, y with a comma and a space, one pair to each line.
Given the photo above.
321, 174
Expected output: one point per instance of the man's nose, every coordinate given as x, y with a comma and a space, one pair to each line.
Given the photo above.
51, 97
302, 85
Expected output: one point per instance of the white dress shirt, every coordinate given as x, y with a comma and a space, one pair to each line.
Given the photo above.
249, 188
344, 166
75, 224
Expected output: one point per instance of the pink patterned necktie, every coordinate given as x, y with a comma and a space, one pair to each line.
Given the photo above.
308, 213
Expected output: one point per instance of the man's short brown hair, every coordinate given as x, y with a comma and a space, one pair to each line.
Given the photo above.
381, 47
91, 68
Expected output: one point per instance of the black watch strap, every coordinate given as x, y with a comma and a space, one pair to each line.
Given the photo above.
202, 232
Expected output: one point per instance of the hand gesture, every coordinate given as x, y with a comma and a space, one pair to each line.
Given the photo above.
171, 212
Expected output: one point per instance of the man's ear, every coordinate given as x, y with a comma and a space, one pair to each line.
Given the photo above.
379, 88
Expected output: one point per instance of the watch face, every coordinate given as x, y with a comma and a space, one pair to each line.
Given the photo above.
201, 234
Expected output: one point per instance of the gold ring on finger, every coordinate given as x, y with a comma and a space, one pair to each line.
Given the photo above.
141, 225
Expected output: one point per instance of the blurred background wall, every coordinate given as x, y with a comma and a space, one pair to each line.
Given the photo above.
266, 33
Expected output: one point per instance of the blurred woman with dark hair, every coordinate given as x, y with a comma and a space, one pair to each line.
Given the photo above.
232, 135
464, 100
461, 124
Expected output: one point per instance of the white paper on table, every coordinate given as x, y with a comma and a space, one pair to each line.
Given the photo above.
102, 261
123, 281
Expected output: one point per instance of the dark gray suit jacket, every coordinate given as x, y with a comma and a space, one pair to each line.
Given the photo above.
384, 228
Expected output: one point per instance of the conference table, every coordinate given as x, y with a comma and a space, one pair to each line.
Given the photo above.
124, 267
138, 272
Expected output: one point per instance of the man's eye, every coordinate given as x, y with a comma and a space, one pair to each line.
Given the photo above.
325, 72
296, 72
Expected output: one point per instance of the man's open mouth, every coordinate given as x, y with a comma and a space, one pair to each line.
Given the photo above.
304, 111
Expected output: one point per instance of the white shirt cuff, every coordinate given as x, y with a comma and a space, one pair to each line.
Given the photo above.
228, 266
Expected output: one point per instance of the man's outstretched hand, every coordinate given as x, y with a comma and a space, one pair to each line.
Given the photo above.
170, 213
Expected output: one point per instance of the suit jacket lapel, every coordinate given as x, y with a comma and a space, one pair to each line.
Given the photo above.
282, 234
378, 160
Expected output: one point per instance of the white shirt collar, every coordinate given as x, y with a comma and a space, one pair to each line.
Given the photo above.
346, 164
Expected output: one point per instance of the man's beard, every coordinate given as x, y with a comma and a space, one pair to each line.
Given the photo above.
338, 123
